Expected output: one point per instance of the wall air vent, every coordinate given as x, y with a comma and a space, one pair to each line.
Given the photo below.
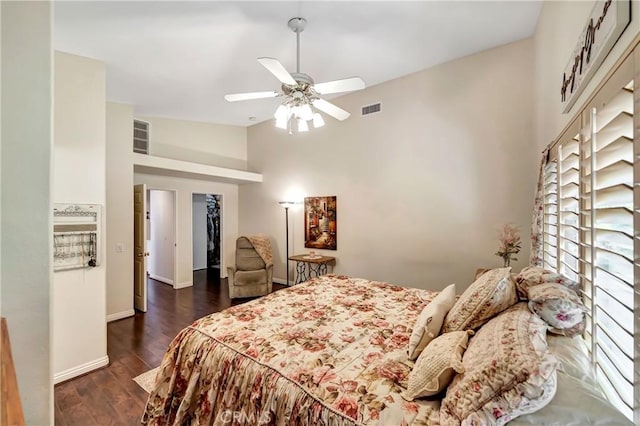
370, 109
140, 137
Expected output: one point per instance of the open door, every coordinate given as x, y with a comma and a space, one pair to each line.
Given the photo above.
140, 247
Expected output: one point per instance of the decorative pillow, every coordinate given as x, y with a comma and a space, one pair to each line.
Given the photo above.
533, 275
430, 321
437, 364
509, 371
559, 306
479, 272
493, 292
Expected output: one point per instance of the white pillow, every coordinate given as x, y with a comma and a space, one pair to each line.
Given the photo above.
437, 364
430, 321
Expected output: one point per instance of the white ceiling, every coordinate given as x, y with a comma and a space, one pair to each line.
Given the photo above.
178, 59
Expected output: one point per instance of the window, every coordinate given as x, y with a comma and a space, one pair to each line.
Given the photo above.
591, 228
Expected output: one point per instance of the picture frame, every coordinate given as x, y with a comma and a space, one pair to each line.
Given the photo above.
320, 223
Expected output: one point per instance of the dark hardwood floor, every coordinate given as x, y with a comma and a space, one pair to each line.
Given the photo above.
109, 396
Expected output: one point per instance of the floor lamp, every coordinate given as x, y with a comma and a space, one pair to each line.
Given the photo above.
286, 205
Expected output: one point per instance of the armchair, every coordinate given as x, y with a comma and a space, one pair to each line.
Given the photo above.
252, 274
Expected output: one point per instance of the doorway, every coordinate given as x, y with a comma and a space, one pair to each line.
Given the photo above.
207, 209
161, 238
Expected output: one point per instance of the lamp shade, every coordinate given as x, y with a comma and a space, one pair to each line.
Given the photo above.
305, 112
318, 121
287, 204
282, 123
283, 113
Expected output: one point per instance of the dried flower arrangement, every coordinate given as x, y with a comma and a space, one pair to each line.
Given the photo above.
510, 243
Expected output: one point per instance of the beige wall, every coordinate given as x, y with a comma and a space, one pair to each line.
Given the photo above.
119, 212
208, 143
421, 186
79, 176
559, 25
184, 189
25, 253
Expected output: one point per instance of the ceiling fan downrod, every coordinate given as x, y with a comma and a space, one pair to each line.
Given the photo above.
297, 26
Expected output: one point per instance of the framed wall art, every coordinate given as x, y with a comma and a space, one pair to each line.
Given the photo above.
320, 223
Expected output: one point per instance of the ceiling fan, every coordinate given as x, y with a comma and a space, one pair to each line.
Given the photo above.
300, 92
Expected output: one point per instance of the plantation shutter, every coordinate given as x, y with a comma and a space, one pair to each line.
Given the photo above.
586, 214
550, 229
592, 185
611, 142
569, 206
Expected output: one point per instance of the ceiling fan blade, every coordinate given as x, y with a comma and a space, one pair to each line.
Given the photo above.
252, 95
275, 67
344, 85
331, 109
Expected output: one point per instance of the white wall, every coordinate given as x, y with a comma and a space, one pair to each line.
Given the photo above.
185, 188
559, 26
200, 237
118, 217
25, 228
79, 176
421, 186
162, 236
208, 143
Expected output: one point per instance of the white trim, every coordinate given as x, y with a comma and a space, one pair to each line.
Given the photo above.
159, 278
281, 281
80, 369
183, 284
119, 315
143, 163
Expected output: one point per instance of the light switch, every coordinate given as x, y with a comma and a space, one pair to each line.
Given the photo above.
119, 247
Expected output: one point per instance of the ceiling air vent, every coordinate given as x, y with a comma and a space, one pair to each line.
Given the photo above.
370, 109
140, 137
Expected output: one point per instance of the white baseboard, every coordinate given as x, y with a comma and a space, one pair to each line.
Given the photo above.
80, 369
162, 279
183, 285
281, 281
119, 315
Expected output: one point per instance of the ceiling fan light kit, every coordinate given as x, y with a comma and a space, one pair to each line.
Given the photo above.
300, 92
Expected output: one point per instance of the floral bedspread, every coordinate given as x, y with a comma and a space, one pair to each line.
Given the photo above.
331, 351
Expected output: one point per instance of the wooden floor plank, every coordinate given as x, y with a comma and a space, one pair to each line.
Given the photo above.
109, 396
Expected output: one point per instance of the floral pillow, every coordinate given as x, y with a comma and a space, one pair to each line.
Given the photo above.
509, 371
493, 292
437, 364
430, 321
560, 307
532, 276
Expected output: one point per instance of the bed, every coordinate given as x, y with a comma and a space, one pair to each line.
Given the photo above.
330, 351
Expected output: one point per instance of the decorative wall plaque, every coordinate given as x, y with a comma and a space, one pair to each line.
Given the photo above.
604, 27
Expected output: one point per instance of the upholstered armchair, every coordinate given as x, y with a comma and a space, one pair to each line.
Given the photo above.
252, 274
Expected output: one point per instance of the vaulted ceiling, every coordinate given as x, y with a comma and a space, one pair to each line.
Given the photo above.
179, 58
